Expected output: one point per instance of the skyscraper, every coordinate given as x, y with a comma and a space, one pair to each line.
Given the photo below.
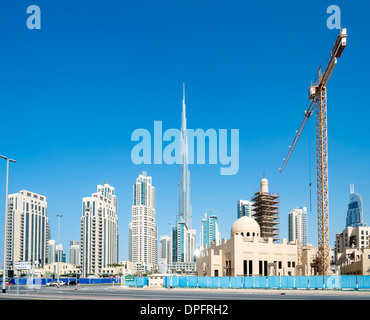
184, 210
244, 208
74, 252
164, 253
143, 228
355, 214
99, 230
51, 252
209, 231
183, 237
297, 226
27, 228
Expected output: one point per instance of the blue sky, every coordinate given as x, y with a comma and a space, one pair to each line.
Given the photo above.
72, 93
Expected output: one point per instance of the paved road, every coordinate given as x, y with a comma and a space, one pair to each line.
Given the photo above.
107, 292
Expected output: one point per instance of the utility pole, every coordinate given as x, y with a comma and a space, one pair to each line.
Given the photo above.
6, 220
59, 216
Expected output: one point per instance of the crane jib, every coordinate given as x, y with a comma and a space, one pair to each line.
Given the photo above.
337, 51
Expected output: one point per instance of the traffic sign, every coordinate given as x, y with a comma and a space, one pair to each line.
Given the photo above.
129, 278
22, 265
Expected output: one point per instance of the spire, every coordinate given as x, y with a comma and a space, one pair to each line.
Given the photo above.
352, 188
183, 118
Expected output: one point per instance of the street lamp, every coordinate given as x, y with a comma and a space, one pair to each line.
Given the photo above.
171, 253
59, 216
6, 220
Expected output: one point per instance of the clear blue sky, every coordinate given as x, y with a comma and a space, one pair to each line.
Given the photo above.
72, 93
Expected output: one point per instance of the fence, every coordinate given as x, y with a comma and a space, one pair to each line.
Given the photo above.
278, 282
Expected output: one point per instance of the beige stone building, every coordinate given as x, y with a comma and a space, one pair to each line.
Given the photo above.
64, 269
355, 261
247, 254
123, 267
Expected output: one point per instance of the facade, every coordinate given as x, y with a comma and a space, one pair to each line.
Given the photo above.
266, 211
355, 262
99, 230
144, 231
209, 230
248, 254
27, 232
352, 238
355, 213
297, 225
65, 269
122, 268
244, 208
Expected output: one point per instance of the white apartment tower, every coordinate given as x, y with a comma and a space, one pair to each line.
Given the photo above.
297, 225
99, 230
74, 252
27, 231
143, 228
51, 252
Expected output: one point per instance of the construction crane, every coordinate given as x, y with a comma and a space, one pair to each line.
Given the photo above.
318, 97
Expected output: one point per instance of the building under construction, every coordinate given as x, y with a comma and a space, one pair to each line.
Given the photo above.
266, 212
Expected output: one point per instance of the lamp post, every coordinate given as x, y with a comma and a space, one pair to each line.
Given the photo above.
6, 220
59, 216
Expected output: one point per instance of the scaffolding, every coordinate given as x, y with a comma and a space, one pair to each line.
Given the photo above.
266, 213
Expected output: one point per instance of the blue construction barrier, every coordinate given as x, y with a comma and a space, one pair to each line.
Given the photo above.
274, 282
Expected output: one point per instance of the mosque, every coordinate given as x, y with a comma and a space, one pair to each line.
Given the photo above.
248, 253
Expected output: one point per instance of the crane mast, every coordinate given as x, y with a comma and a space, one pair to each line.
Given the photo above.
318, 97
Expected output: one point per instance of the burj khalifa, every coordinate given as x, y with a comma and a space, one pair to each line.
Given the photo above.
184, 209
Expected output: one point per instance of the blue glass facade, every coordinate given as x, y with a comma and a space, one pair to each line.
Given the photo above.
355, 212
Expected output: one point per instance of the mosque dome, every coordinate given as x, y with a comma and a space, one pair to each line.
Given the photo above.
245, 225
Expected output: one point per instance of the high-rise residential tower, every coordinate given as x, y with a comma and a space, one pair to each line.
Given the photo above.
209, 231
51, 252
74, 252
164, 254
27, 228
99, 230
143, 228
297, 226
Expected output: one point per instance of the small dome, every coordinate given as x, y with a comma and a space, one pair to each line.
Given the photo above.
244, 225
